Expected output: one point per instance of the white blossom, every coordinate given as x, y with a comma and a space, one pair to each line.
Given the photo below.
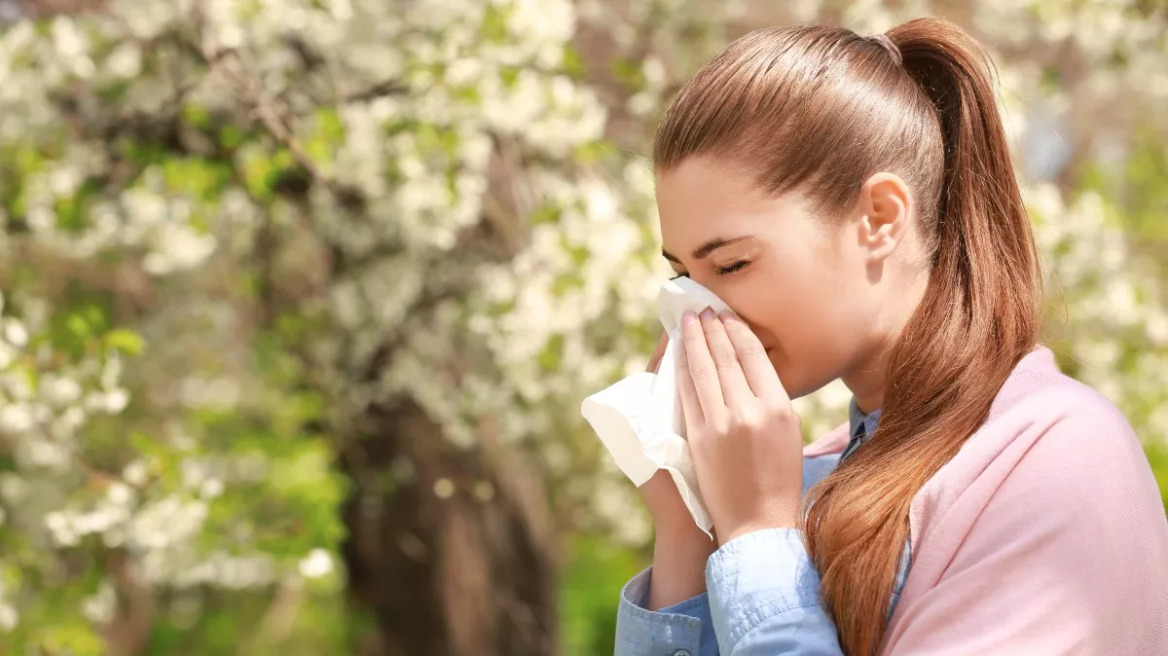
316, 564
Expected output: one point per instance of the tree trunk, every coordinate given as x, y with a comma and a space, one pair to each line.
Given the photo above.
455, 555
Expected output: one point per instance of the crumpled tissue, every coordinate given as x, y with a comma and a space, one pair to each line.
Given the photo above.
639, 418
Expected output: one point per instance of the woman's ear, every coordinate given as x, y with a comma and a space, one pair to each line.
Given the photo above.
885, 209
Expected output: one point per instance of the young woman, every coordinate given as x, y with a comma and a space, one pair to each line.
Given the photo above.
852, 200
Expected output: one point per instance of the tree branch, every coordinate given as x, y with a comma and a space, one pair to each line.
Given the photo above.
264, 106
384, 88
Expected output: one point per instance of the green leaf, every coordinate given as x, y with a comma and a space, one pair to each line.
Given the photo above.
126, 341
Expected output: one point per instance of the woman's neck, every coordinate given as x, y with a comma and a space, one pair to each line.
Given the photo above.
867, 387
868, 377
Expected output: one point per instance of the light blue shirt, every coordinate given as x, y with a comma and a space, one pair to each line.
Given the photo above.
762, 592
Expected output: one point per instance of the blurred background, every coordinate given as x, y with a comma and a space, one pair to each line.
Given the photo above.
300, 299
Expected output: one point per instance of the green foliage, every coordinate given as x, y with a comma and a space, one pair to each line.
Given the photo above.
1139, 190
1158, 459
595, 570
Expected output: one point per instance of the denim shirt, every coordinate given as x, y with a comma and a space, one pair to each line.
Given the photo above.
762, 591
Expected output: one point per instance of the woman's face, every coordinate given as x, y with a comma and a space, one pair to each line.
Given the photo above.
808, 286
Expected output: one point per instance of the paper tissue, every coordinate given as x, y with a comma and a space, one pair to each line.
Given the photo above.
639, 418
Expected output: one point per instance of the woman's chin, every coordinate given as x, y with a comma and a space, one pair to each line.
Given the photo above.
794, 382
788, 378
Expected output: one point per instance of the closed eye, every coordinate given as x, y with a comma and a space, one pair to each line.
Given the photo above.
737, 266
721, 271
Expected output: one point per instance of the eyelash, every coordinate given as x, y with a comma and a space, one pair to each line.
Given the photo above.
724, 271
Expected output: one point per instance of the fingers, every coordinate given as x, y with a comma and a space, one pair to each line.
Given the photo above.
691, 407
731, 378
700, 366
756, 366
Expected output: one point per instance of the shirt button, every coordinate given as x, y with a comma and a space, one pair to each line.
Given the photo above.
681, 652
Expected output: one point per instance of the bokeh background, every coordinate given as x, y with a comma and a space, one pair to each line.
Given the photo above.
300, 299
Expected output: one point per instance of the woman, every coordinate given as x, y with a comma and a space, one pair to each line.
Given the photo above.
852, 200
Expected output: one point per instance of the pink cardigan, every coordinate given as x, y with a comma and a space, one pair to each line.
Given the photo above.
1045, 534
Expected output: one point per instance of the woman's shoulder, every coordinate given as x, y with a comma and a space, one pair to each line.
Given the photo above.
1056, 441
1039, 396
1060, 460
1051, 497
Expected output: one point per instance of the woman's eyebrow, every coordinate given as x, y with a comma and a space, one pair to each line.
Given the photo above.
707, 248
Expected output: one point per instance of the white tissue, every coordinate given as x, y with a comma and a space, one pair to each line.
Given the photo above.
639, 418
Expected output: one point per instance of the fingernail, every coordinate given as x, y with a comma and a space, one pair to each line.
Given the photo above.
708, 314
688, 318
727, 315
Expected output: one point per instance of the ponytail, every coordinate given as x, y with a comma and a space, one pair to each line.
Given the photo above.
979, 316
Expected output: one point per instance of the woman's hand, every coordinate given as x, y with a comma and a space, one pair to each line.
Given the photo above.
680, 548
743, 434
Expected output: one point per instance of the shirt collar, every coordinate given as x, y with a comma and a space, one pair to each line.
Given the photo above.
858, 418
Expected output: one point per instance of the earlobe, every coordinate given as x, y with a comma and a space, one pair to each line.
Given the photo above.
888, 209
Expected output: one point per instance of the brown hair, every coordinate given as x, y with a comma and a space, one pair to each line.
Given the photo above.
819, 110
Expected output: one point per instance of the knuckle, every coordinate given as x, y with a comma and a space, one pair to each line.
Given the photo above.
736, 426
724, 360
719, 424
746, 421
721, 428
753, 419
784, 414
700, 372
